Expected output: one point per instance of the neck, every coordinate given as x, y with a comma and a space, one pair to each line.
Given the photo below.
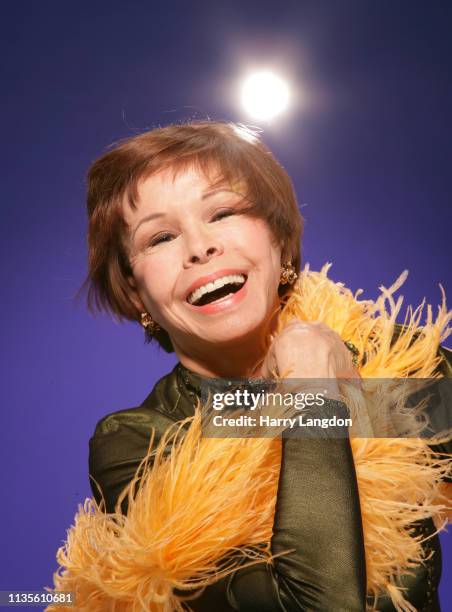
241, 358
240, 361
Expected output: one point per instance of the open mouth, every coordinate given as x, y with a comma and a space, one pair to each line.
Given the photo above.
217, 290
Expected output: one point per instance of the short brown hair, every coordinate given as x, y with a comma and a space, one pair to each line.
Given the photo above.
234, 150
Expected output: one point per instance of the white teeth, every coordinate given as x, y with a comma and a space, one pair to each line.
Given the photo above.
216, 284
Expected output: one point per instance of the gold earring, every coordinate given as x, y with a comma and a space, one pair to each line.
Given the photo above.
150, 326
288, 274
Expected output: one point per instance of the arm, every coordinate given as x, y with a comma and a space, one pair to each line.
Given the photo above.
318, 510
440, 411
445, 404
317, 514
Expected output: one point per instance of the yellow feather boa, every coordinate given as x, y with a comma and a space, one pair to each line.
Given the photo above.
172, 538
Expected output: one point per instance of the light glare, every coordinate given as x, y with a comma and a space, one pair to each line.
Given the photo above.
264, 95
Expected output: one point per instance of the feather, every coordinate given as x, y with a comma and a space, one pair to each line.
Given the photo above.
172, 539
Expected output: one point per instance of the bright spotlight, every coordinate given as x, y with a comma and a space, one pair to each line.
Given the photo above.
264, 95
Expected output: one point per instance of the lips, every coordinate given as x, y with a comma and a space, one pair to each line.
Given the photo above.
229, 303
210, 278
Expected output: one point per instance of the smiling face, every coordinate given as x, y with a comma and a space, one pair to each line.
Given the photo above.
206, 272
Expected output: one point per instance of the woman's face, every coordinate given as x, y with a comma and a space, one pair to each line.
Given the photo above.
204, 271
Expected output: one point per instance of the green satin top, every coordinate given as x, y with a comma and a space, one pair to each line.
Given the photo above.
317, 513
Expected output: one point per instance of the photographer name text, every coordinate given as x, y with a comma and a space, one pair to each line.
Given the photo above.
286, 422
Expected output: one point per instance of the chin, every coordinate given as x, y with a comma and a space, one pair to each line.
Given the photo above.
234, 331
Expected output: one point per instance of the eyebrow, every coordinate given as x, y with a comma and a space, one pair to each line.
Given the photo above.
205, 195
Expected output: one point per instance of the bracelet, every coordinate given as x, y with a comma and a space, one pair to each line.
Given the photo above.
353, 350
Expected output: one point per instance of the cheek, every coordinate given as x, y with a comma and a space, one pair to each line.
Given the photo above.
260, 241
155, 287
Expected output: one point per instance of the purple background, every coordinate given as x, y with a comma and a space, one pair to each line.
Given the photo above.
368, 148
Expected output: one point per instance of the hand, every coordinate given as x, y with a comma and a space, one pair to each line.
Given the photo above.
308, 350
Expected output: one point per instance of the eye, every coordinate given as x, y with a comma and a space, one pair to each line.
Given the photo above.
160, 238
222, 214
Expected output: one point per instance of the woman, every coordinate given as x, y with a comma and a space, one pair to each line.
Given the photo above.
195, 232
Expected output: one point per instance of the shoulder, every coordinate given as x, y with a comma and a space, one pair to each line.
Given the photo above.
444, 353
445, 365
156, 411
124, 437
131, 419
126, 433
121, 439
120, 442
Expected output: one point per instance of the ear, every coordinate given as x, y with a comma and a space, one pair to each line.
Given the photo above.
134, 295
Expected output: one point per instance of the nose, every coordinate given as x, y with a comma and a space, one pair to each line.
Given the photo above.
200, 247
